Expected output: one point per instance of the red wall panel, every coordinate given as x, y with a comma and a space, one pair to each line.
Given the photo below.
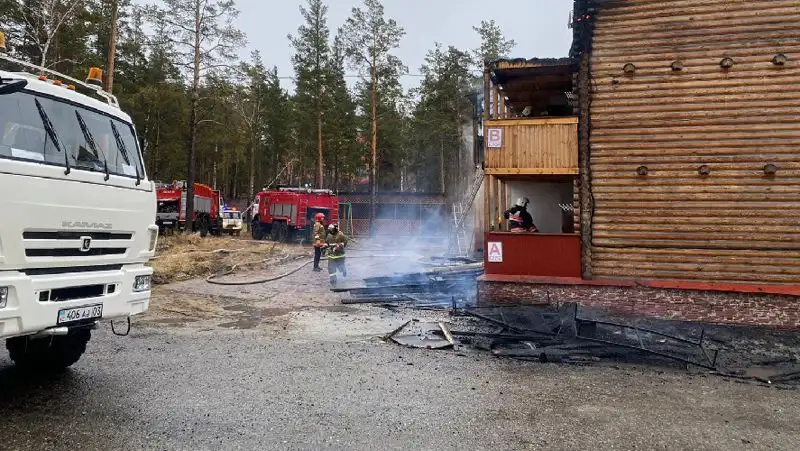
535, 254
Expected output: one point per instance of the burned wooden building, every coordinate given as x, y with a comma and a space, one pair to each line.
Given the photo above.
683, 149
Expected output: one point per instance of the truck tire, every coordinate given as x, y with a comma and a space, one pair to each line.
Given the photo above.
256, 230
283, 233
203, 227
48, 354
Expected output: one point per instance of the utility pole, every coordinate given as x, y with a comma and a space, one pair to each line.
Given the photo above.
112, 45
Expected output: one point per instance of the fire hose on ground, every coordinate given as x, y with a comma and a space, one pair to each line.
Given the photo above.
210, 279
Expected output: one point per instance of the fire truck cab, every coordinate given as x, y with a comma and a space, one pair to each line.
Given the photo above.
287, 214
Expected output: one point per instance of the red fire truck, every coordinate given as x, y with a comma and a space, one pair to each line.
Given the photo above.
171, 210
287, 214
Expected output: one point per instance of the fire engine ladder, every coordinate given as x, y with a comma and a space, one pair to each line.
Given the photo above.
459, 242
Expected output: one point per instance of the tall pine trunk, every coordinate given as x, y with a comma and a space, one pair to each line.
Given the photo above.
112, 45
373, 200
251, 191
193, 120
320, 164
441, 165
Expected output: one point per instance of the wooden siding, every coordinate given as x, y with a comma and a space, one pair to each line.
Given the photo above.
736, 224
534, 146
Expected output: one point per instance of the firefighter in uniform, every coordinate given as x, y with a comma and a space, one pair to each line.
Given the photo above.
518, 217
335, 243
318, 239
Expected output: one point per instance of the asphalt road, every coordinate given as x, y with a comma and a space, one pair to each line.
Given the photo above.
337, 387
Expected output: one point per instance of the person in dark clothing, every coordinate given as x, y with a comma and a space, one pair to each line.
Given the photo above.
318, 239
518, 217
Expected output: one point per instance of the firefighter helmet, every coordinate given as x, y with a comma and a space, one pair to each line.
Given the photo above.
522, 202
319, 217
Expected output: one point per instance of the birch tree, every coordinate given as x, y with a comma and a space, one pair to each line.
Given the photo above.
204, 39
41, 21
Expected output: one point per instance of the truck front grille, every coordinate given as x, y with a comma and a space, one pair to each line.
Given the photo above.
63, 252
64, 235
75, 243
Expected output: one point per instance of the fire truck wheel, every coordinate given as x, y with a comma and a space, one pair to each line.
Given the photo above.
257, 231
49, 354
203, 227
283, 233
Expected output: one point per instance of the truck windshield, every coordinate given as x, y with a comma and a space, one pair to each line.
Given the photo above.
23, 135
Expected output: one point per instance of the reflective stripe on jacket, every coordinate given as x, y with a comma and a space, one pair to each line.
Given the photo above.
336, 244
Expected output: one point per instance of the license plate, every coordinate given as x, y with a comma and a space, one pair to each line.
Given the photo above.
166, 222
80, 313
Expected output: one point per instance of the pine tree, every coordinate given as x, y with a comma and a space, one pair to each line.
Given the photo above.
368, 39
494, 45
311, 61
439, 115
204, 39
343, 155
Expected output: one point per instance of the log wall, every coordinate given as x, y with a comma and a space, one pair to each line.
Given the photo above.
677, 113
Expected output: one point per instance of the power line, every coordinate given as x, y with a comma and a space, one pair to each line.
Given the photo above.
355, 76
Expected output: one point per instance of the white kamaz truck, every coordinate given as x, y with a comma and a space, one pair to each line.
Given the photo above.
77, 221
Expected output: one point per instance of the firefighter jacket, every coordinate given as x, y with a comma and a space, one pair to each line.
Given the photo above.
319, 234
336, 244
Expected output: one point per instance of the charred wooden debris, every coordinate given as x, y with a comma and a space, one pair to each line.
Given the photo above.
446, 285
562, 335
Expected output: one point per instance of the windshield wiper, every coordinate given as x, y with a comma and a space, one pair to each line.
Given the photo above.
87, 135
124, 151
10, 86
51, 132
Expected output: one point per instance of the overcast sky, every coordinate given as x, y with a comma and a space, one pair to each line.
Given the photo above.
538, 26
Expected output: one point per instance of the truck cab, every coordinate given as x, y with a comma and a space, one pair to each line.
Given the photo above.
75, 249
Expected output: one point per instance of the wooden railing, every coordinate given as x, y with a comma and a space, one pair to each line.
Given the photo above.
542, 146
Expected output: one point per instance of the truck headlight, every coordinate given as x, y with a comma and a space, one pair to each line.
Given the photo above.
3, 297
142, 283
153, 239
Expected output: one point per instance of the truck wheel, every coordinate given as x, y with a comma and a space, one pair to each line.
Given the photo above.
203, 227
50, 354
283, 233
275, 232
256, 231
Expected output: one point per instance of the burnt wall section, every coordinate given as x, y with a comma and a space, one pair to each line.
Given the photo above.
695, 144
717, 307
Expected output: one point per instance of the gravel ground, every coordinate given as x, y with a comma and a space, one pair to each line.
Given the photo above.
286, 366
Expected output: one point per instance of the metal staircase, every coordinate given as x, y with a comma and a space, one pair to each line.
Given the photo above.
460, 243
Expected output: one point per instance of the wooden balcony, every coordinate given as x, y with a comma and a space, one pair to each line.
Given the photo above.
540, 146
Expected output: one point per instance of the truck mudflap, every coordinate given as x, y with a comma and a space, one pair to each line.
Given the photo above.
38, 302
